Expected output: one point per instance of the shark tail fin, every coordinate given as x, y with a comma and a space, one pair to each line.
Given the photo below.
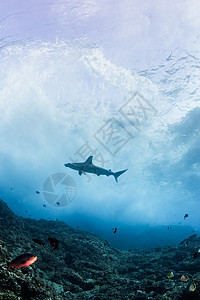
117, 174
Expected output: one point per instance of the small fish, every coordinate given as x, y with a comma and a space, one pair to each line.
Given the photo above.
37, 192
184, 278
114, 230
11, 189
169, 227
170, 275
39, 242
58, 203
53, 242
186, 216
23, 260
192, 287
44, 205
26, 211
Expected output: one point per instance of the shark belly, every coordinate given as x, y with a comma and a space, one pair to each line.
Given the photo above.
96, 170
89, 169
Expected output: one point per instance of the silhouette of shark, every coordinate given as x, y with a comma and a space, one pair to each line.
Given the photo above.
88, 167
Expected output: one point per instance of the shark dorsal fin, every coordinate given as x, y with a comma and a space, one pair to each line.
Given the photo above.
89, 160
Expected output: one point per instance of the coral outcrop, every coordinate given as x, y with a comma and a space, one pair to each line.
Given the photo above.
87, 267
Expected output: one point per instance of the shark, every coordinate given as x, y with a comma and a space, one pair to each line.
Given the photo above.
89, 167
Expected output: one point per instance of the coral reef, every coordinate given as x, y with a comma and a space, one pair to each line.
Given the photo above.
86, 267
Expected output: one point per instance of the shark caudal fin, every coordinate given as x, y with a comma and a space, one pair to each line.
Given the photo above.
117, 174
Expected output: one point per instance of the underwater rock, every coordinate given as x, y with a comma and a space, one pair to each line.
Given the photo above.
86, 267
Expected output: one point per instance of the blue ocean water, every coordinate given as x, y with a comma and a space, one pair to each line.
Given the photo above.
80, 79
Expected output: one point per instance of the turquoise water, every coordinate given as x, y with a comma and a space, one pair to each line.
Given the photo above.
66, 70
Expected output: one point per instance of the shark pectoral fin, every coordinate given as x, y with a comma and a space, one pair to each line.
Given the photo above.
80, 172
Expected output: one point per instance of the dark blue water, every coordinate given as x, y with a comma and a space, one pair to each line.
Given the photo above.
67, 70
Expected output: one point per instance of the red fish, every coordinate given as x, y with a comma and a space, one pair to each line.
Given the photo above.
54, 243
23, 260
